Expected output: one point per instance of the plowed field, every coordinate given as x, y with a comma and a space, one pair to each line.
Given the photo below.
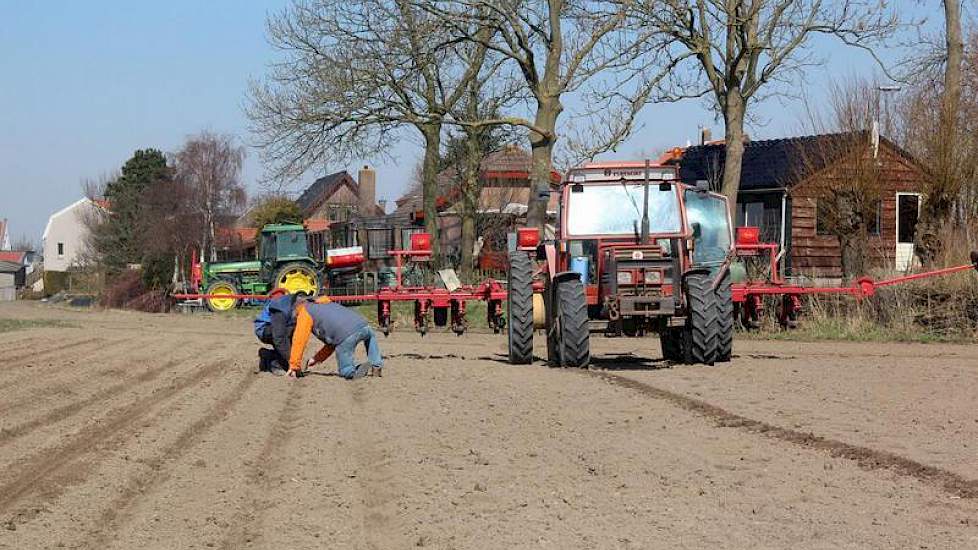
128, 431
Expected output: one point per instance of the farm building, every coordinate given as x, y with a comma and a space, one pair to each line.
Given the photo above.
782, 181
505, 190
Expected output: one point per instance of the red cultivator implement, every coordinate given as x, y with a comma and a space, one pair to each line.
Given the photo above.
749, 296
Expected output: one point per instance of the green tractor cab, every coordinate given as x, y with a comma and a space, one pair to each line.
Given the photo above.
284, 261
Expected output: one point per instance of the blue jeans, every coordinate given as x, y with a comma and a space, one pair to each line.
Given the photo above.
346, 348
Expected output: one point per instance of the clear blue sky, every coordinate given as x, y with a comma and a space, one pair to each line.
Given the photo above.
87, 83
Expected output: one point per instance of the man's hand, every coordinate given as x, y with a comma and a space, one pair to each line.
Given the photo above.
311, 362
292, 374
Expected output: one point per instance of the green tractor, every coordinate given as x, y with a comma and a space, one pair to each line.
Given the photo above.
284, 261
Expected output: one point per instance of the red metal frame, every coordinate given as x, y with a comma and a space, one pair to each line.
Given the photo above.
750, 294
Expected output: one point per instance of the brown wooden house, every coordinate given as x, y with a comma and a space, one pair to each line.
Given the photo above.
779, 189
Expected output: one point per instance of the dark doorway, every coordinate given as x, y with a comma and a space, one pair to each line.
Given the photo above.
908, 208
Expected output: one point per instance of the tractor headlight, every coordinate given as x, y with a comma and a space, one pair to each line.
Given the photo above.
653, 277
624, 277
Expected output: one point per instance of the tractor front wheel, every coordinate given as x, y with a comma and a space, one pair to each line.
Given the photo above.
218, 289
519, 307
700, 335
569, 341
671, 339
297, 277
725, 320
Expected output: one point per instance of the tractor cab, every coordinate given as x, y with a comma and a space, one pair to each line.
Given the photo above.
631, 231
285, 259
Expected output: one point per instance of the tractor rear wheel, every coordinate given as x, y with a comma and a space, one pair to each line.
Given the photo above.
222, 287
700, 335
725, 320
519, 307
569, 341
297, 277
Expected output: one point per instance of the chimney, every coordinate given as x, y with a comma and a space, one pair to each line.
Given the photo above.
706, 136
367, 184
383, 205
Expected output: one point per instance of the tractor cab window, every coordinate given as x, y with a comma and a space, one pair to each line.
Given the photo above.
617, 210
267, 251
712, 232
292, 244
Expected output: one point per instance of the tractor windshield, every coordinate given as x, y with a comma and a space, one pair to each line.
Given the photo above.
712, 238
292, 244
617, 210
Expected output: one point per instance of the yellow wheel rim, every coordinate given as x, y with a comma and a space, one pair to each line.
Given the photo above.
298, 280
222, 304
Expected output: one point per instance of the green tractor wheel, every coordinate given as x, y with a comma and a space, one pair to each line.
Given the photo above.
297, 277
222, 287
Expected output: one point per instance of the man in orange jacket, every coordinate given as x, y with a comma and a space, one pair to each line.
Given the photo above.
340, 329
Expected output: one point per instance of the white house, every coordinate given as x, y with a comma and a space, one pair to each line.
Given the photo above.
65, 234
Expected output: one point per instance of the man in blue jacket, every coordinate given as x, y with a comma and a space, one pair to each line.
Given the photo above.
274, 326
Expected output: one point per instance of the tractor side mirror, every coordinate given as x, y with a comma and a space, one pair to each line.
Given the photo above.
697, 230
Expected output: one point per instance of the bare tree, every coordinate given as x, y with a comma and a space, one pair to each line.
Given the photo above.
208, 166
745, 50
844, 172
355, 74
557, 47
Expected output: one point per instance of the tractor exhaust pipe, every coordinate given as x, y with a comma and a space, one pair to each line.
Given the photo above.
645, 205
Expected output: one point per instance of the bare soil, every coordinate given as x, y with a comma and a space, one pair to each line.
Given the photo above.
129, 430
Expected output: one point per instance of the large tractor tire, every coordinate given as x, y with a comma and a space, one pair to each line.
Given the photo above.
569, 341
222, 287
519, 305
725, 320
671, 340
700, 335
296, 277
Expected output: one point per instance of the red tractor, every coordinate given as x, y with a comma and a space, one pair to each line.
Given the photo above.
635, 251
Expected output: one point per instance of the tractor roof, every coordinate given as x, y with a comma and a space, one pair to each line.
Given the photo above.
280, 227
620, 170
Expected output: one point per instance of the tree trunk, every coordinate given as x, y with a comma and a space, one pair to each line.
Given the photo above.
429, 186
471, 189
939, 203
541, 149
733, 118
853, 255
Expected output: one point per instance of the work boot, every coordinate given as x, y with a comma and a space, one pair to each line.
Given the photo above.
263, 360
275, 367
361, 371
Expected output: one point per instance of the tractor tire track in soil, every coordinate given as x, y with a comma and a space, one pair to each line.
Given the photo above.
66, 411
245, 527
374, 477
57, 388
115, 514
47, 471
867, 458
14, 371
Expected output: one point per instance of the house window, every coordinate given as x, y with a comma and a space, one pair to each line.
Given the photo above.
379, 242
61, 249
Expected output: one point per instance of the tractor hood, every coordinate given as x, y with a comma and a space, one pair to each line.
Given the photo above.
234, 267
